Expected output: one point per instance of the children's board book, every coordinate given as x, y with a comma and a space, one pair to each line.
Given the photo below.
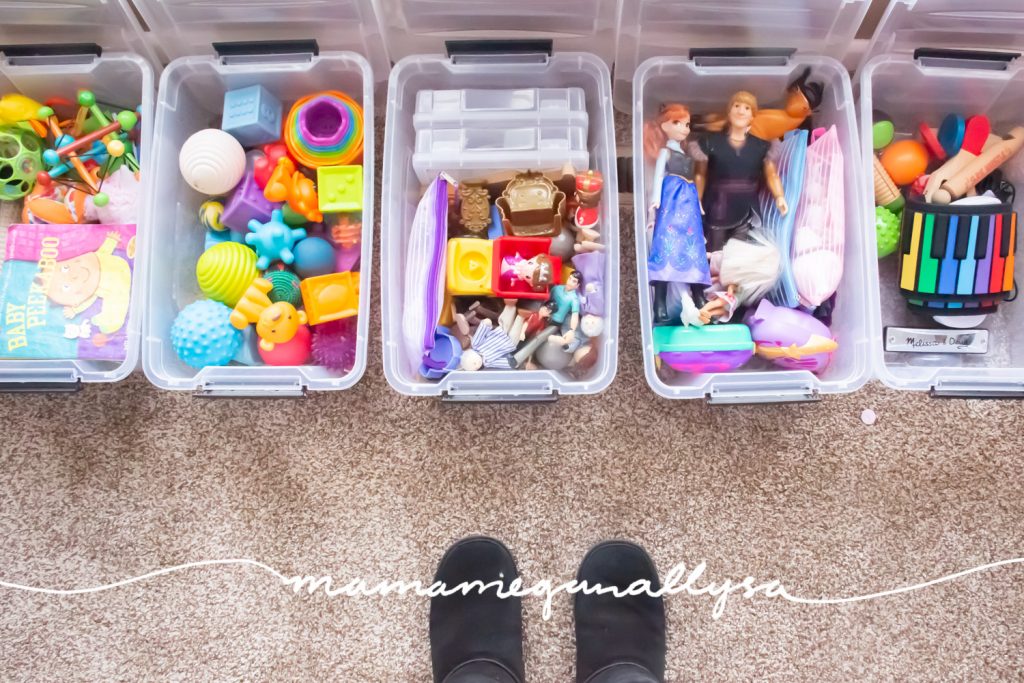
65, 291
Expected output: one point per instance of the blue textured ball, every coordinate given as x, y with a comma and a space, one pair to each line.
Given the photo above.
202, 334
313, 256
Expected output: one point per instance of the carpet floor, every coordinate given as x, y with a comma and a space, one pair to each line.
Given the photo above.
121, 480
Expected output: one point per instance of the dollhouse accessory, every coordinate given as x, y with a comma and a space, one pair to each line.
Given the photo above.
531, 206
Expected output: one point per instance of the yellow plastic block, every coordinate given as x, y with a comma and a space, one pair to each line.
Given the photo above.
469, 266
330, 297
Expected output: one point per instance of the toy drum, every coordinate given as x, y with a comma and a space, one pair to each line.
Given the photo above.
957, 260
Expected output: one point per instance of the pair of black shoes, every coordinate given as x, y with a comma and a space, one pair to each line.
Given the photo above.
477, 636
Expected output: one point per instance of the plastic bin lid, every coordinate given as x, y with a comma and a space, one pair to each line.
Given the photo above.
423, 26
182, 28
657, 28
111, 24
988, 25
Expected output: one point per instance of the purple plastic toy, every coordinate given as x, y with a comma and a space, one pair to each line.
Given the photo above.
591, 266
334, 344
791, 338
247, 203
323, 122
444, 357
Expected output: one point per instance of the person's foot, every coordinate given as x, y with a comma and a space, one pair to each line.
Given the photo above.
477, 627
613, 631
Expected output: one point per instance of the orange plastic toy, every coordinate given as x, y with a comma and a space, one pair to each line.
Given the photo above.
330, 297
288, 184
905, 161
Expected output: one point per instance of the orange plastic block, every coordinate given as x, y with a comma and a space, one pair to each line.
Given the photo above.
468, 266
330, 297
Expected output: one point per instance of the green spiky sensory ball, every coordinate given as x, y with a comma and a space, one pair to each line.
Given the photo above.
887, 229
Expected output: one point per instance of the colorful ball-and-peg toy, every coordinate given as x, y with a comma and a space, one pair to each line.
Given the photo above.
281, 284
58, 163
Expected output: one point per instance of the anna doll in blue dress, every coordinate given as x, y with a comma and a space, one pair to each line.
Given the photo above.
677, 248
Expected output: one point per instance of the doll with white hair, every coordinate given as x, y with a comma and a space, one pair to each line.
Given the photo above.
742, 274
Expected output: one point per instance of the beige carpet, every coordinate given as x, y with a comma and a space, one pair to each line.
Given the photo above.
118, 481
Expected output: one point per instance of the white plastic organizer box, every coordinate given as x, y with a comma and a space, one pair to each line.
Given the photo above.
517, 105
105, 59
192, 90
789, 39
929, 60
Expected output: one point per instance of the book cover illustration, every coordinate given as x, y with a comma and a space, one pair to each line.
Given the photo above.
65, 291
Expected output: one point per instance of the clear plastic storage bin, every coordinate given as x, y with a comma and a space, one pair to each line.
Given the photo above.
191, 91
106, 59
414, 32
652, 33
525, 106
466, 152
912, 88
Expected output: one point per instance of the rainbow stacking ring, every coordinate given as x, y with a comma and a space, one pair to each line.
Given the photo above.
325, 129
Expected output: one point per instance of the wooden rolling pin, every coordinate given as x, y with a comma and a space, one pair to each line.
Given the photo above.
970, 175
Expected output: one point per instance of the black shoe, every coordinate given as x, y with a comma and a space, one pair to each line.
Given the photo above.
476, 627
661, 303
611, 630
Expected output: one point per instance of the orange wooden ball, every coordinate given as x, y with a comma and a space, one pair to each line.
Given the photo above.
905, 161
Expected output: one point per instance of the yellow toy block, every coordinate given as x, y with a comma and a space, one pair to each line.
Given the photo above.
330, 297
469, 266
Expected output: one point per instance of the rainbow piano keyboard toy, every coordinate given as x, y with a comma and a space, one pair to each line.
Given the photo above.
957, 259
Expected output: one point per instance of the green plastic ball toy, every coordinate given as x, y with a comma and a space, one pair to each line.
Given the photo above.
882, 134
21, 160
887, 230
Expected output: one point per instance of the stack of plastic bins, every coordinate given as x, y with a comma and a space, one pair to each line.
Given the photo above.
191, 97
914, 88
414, 27
465, 132
34, 65
705, 84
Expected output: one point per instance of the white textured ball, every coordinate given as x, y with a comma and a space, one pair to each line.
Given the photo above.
212, 161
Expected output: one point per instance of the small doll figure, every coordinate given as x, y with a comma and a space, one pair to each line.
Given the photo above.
535, 321
490, 347
743, 274
677, 252
567, 308
536, 271
563, 322
589, 187
728, 180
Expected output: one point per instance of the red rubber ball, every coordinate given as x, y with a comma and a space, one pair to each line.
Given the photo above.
293, 352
